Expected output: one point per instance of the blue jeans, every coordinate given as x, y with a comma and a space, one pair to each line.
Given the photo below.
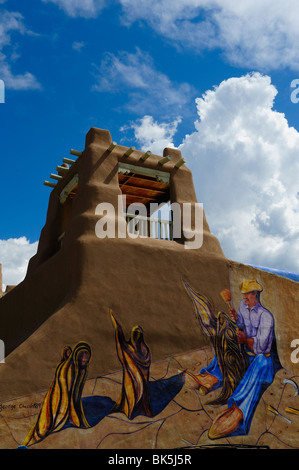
258, 376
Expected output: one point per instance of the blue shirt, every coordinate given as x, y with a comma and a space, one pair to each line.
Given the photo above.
257, 323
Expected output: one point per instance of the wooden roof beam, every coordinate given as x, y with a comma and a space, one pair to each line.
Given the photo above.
50, 184
69, 161
77, 153
129, 151
181, 162
165, 159
146, 155
111, 146
56, 177
63, 169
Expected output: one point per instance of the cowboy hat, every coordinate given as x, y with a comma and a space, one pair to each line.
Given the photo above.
249, 285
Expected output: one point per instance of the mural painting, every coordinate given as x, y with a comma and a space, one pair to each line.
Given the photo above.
135, 358
245, 360
244, 365
64, 407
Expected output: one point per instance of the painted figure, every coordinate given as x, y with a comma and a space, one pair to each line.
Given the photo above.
135, 358
62, 404
255, 334
229, 354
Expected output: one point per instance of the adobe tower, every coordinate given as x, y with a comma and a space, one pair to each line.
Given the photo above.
75, 278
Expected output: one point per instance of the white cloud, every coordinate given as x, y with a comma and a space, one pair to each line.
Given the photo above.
15, 254
244, 157
148, 89
152, 135
251, 33
11, 23
78, 45
83, 8
25, 81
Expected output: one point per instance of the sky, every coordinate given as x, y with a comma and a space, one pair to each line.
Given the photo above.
217, 79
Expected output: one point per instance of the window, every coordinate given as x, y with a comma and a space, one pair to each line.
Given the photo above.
146, 195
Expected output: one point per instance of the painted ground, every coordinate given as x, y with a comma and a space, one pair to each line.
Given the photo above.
181, 419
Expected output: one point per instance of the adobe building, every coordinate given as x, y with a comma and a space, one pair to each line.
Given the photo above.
75, 278
79, 275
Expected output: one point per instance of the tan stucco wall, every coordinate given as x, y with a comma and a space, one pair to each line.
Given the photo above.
126, 277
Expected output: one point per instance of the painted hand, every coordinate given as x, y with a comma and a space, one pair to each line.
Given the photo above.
242, 338
233, 314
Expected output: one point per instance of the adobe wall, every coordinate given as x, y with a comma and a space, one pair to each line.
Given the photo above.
155, 299
138, 291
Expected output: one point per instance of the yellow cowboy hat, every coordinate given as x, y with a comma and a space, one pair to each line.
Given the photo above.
249, 285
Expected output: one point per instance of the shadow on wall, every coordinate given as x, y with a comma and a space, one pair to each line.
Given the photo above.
161, 393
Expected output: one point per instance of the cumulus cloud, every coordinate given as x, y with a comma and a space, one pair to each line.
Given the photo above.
253, 33
15, 254
148, 89
82, 8
152, 135
244, 159
11, 23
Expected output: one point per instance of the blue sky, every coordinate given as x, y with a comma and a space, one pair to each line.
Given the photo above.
212, 78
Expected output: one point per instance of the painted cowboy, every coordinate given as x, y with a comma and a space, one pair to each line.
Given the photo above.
256, 332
